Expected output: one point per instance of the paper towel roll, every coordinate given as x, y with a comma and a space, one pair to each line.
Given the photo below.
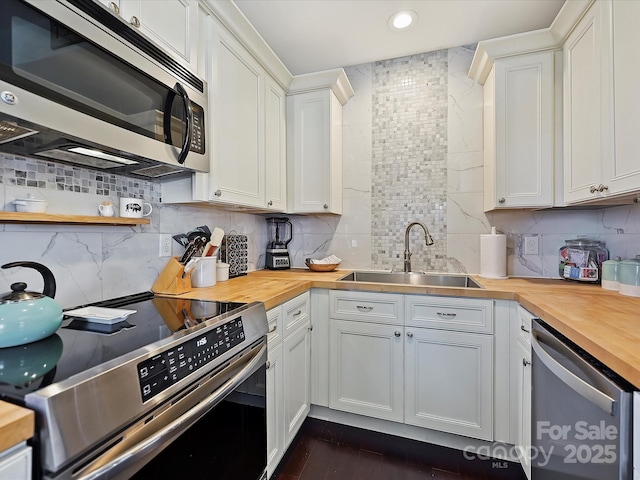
493, 255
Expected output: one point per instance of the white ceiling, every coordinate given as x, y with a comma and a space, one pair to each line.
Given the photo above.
314, 35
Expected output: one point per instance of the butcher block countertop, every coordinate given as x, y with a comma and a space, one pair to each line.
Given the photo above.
604, 323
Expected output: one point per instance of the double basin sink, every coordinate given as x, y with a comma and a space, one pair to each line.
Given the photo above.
412, 278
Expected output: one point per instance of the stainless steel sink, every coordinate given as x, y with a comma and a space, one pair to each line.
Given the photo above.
412, 278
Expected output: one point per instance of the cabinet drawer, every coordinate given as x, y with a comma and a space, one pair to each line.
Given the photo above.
524, 327
366, 307
275, 321
448, 313
295, 312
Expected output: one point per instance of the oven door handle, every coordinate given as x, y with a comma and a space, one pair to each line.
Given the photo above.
121, 459
584, 389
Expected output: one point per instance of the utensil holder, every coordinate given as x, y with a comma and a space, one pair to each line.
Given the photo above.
172, 280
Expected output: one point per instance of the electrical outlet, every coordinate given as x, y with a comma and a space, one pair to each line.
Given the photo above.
531, 245
165, 245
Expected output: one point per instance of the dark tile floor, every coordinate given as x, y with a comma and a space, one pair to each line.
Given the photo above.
324, 450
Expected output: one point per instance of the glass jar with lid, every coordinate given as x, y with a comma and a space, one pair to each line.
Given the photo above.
581, 260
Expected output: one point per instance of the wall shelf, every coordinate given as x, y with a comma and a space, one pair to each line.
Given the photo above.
23, 217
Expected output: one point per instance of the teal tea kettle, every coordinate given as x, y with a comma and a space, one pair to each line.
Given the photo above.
27, 317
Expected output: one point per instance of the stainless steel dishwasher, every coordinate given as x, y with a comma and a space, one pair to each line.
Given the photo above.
581, 413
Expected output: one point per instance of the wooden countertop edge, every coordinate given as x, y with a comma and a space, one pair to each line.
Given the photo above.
16, 425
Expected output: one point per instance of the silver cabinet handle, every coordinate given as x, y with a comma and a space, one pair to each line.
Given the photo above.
114, 6
267, 365
364, 308
526, 362
325, 206
135, 22
502, 200
311, 328
297, 313
593, 189
397, 333
446, 315
217, 193
410, 334
602, 188
270, 202
522, 327
273, 329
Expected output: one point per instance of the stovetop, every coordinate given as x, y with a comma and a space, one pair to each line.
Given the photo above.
79, 344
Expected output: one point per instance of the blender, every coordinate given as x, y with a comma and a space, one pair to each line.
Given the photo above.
280, 231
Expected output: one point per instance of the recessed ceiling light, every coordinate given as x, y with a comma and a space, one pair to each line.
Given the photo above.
402, 20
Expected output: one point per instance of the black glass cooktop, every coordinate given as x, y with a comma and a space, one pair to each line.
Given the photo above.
80, 344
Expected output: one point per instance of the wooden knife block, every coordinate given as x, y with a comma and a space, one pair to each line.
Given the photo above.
171, 281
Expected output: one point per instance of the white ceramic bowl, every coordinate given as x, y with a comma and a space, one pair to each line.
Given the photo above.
30, 204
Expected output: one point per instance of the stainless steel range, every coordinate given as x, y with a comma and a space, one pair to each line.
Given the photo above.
123, 398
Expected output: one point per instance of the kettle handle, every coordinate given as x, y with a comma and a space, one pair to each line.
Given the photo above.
47, 275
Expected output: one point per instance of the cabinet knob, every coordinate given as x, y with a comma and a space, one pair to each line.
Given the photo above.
526, 362
267, 365
114, 6
593, 189
217, 193
410, 334
270, 202
135, 22
325, 206
602, 188
311, 328
502, 200
397, 333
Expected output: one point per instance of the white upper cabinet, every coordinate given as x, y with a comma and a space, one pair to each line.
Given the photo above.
314, 141
236, 94
519, 132
172, 24
275, 149
601, 104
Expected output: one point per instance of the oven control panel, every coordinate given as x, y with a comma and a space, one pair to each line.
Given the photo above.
161, 371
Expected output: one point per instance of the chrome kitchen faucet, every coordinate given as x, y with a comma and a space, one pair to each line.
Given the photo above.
407, 252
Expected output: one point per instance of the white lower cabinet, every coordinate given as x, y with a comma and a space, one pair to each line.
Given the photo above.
385, 363
449, 381
366, 369
521, 361
15, 463
288, 375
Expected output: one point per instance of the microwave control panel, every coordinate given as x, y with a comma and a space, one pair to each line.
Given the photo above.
163, 370
197, 129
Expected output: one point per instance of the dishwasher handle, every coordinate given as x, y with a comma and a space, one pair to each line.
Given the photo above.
584, 389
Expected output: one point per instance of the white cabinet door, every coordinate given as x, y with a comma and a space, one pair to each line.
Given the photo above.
366, 369
523, 443
172, 24
15, 463
622, 167
297, 381
275, 146
519, 133
449, 381
583, 117
314, 144
236, 99
275, 407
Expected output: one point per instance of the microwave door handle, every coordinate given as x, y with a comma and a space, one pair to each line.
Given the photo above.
584, 389
188, 115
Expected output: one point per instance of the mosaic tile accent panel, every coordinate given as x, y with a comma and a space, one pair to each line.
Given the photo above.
30, 172
409, 160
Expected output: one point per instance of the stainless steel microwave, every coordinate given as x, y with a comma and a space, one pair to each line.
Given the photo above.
79, 86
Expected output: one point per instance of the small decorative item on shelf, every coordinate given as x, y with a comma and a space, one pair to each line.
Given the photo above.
106, 209
30, 204
328, 264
